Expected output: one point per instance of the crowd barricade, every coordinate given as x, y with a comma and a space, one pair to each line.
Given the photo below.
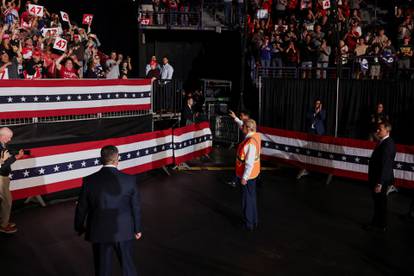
53, 98
337, 156
167, 96
57, 168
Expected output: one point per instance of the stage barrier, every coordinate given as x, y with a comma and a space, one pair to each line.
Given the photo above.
337, 156
51, 98
58, 168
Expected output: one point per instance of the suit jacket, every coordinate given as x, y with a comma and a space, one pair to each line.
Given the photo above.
5, 168
109, 202
317, 120
187, 115
381, 163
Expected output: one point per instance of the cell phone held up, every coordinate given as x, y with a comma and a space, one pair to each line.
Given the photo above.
16, 152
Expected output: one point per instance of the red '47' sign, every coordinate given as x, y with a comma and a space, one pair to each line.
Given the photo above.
60, 44
36, 10
87, 19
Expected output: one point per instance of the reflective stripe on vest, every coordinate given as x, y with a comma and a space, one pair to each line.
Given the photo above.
241, 156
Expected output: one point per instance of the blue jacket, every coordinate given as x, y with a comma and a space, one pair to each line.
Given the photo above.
109, 202
316, 122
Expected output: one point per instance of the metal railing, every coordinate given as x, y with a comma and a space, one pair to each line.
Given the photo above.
167, 97
354, 67
170, 19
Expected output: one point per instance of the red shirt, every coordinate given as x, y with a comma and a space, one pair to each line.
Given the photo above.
65, 73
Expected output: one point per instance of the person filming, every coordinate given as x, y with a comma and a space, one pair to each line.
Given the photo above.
5, 196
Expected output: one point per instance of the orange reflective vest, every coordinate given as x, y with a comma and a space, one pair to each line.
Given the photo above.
241, 156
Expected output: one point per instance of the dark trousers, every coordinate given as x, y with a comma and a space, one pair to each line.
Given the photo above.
102, 255
380, 208
249, 206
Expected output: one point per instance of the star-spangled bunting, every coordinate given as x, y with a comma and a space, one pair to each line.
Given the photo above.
85, 163
71, 97
193, 141
332, 156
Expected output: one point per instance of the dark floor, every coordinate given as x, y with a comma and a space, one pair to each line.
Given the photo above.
191, 227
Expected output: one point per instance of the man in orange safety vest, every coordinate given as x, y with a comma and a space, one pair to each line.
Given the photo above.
247, 170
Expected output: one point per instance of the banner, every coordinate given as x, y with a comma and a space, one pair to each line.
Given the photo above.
57, 168
192, 141
46, 98
338, 156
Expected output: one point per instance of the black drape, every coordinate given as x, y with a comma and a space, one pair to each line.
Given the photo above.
285, 103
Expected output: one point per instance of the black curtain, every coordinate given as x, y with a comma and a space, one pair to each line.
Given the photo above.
50, 134
285, 103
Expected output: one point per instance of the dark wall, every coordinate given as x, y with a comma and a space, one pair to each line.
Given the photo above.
285, 103
195, 54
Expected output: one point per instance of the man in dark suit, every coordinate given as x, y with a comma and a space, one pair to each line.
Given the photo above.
315, 124
109, 202
316, 119
381, 175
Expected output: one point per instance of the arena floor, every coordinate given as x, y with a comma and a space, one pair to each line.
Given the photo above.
191, 223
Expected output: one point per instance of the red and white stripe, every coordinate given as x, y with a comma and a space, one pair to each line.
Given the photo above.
84, 88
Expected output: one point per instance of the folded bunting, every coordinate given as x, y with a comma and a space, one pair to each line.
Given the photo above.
46, 98
337, 156
192, 141
57, 168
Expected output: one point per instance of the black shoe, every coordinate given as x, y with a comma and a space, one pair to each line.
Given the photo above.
232, 184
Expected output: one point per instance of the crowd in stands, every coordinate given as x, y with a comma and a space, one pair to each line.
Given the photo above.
27, 47
304, 35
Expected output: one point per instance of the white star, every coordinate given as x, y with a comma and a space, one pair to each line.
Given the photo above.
26, 173
117, 95
47, 98
189, 142
155, 149
308, 152
70, 166
297, 150
331, 156
128, 155
11, 176
89, 97
108, 96
133, 95
42, 171
119, 157
146, 151
79, 97
125, 95
344, 158
142, 95
185, 144
137, 153
276, 146
286, 148
319, 154
99, 96
96, 162
399, 165
175, 146
10, 99
357, 159
58, 98
266, 144
56, 168
69, 98
163, 148
23, 99
35, 99
83, 164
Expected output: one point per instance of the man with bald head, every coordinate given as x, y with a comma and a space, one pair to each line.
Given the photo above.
5, 196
